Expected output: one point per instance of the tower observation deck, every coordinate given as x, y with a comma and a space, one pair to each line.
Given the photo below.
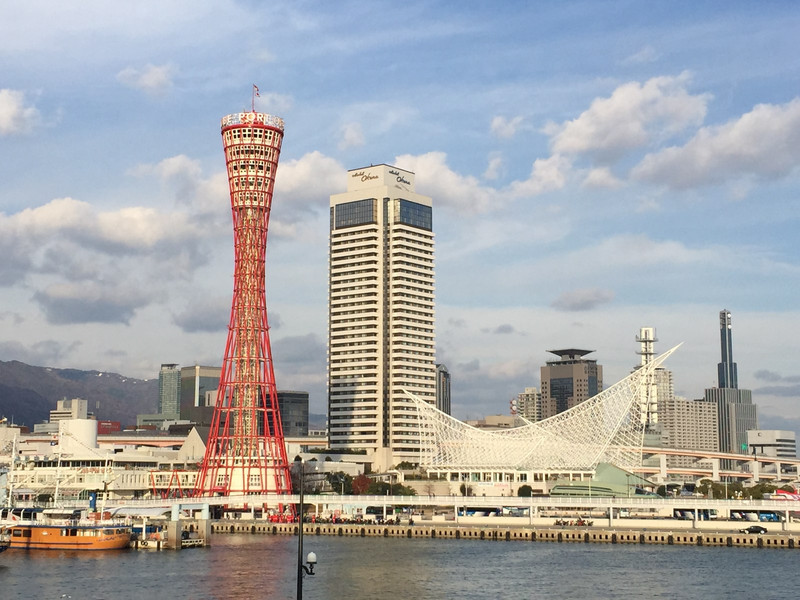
245, 452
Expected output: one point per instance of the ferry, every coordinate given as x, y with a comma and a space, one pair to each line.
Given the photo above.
55, 529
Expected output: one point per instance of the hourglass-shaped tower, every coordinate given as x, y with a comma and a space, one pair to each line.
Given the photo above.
245, 453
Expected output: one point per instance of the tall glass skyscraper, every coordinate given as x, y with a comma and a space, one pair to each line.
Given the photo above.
169, 387
726, 369
736, 413
380, 313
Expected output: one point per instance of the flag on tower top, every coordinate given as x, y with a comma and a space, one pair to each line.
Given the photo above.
255, 90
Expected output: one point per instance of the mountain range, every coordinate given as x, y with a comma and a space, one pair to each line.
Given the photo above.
29, 393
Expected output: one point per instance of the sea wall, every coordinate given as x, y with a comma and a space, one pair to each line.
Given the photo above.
593, 534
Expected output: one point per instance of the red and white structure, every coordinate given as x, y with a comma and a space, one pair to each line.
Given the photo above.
245, 452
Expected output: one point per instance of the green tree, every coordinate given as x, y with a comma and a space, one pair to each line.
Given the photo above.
384, 488
525, 491
340, 482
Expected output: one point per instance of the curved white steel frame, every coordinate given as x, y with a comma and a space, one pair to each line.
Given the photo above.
605, 428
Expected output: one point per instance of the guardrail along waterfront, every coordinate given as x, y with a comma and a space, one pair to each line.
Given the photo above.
601, 535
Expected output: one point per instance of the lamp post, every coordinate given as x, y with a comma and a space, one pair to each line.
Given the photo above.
340, 477
312, 558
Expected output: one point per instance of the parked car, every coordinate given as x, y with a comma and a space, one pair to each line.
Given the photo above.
754, 529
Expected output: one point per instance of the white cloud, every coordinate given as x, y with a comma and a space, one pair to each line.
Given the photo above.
646, 55
641, 251
450, 189
547, 174
494, 168
601, 177
504, 128
70, 239
302, 187
351, 136
139, 227
764, 143
154, 80
305, 184
15, 117
204, 197
135, 228
633, 116
177, 167
274, 103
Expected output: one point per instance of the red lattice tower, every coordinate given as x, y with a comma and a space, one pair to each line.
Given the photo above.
245, 453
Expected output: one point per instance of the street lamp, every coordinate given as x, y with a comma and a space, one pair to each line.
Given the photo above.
312, 557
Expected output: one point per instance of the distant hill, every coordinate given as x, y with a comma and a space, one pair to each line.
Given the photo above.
28, 393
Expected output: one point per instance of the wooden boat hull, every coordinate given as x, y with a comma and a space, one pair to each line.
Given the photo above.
51, 537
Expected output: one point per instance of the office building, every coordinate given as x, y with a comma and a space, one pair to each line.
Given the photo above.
294, 412
169, 390
569, 381
772, 442
66, 410
528, 404
443, 389
736, 413
380, 313
688, 425
199, 393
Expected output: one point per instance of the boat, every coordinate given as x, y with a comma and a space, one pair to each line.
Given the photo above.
58, 529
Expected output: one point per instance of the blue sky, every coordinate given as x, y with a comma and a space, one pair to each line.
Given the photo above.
595, 167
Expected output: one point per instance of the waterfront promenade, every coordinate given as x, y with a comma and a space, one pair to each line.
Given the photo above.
534, 507
537, 511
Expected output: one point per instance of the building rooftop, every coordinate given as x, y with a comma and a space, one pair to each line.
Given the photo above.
570, 353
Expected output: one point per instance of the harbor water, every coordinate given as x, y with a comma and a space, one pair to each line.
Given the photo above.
259, 566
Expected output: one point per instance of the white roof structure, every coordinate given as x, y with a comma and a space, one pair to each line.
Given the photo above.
605, 428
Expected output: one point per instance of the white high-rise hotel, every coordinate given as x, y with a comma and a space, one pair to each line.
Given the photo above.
380, 313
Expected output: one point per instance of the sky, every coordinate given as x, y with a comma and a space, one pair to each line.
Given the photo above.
595, 167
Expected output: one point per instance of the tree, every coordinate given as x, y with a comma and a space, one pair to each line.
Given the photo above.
340, 482
384, 488
525, 491
360, 485
466, 490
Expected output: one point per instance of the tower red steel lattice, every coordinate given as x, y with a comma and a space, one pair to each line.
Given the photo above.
245, 453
